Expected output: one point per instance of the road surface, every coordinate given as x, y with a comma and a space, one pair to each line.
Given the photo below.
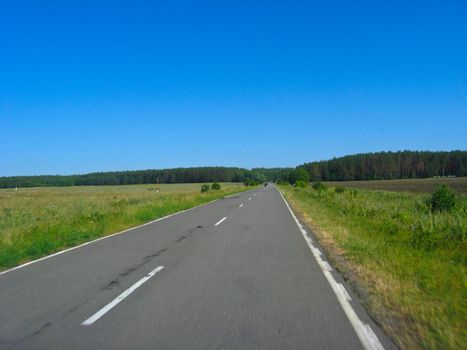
234, 274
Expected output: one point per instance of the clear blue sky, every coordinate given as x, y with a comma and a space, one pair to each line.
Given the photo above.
95, 86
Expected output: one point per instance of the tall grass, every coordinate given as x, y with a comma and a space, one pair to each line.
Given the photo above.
408, 185
410, 261
38, 221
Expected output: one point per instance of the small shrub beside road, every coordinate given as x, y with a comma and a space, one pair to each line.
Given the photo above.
319, 186
339, 189
301, 184
443, 199
251, 182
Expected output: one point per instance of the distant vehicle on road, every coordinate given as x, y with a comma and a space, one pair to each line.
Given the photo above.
266, 184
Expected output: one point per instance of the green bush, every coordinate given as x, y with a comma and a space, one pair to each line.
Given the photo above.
282, 182
215, 186
339, 189
204, 188
319, 186
251, 182
298, 174
443, 199
301, 183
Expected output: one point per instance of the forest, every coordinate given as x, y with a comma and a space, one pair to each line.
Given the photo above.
389, 165
178, 175
366, 166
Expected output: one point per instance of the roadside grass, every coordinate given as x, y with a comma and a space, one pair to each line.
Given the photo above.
38, 221
408, 264
408, 185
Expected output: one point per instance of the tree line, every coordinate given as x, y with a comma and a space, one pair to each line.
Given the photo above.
366, 166
389, 165
178, 175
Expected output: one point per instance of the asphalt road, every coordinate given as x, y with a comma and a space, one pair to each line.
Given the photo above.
234, 274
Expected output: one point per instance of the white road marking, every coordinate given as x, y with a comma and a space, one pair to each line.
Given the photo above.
221, 221
364, 332
105, 237
241, 205
249, 199
325, 265
118, 299
254, 194
343, 291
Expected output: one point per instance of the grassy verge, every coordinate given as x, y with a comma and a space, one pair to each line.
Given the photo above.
38, 221
407, 263
408, 185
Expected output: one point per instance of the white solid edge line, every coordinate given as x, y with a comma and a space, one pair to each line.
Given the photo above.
101, 238
364, 332
220, 221
118, 299
241, 205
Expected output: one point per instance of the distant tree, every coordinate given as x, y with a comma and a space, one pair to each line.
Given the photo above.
215, 186
204, 188
272, 174
299, 174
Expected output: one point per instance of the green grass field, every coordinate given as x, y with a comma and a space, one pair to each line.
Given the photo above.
38, 221
407, 263
407, 185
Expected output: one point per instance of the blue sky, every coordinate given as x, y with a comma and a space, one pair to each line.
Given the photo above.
95, 86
